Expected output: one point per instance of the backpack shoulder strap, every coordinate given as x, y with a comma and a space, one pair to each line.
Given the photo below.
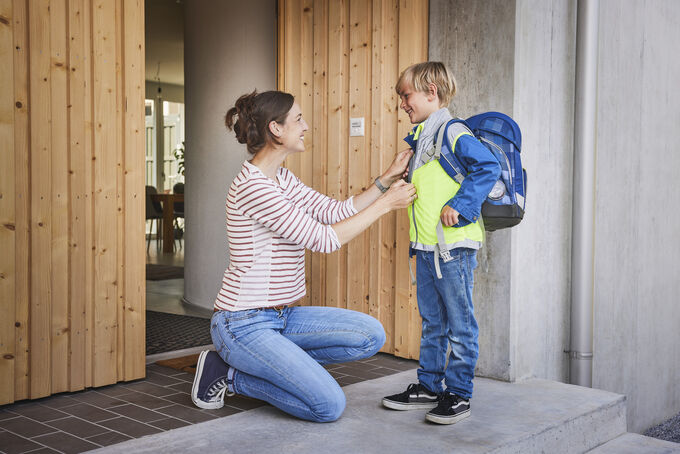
442, 140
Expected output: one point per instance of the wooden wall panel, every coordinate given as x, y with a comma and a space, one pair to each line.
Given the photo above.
22, 202
41, 197
71, 195
336, 138
80, 161
349, 63
7, 204
134, 290
60, 196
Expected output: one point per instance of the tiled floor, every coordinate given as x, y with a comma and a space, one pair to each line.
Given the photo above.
81, 421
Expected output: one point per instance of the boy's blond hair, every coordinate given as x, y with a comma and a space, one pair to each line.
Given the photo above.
421, 75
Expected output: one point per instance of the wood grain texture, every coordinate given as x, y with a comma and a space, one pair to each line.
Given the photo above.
71, 283
355, 51
22, 200
7, 207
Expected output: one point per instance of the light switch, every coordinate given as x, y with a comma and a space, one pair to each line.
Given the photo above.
356, 127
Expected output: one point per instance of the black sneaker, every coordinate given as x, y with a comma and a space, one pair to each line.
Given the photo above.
415, 397
451, 409
210, 382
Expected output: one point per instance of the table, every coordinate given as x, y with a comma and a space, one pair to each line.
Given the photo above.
168, 201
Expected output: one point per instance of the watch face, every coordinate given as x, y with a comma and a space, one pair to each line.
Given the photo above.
498, 190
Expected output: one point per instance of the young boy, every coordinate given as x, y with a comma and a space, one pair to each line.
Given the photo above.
444, 268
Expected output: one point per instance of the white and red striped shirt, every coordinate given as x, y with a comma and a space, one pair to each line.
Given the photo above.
269, 226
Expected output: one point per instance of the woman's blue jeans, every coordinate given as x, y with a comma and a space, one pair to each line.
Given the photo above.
278, 354
448, 319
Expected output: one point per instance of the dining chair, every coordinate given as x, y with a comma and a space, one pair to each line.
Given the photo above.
154, 212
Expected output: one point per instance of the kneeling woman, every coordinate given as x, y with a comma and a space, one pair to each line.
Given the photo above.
266, 348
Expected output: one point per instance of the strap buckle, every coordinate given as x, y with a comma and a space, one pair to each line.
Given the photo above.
445, 255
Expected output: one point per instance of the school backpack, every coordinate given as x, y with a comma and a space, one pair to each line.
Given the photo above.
504, 206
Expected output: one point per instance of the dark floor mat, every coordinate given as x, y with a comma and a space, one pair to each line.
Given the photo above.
170, 332
162, 272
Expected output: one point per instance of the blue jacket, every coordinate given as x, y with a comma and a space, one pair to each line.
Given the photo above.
483, 170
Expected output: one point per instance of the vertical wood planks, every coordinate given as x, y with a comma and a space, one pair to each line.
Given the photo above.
338, 118
71, 283
41, 198
60, 196
320, 138
135, 283
105, 149
22, 202
413, 17
88, 109
80, 186
384, 145
7, 206
306, 102
359, 147
120, 194
362, 46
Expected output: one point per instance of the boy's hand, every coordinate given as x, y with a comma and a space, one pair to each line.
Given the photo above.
449, 216
398, 169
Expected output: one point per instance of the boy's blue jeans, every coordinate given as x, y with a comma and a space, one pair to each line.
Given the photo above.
446, 308
277, 354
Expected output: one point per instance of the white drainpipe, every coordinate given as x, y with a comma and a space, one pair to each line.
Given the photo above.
583, 214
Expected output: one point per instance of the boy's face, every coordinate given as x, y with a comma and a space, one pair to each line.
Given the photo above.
419, 105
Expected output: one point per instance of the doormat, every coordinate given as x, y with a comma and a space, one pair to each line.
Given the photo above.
184, 363
170, 332
163, 272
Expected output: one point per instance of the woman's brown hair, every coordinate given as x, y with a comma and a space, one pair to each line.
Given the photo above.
254, 112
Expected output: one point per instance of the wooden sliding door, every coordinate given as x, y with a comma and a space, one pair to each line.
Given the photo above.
72, 196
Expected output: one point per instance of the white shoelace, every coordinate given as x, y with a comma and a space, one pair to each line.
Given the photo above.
218, 390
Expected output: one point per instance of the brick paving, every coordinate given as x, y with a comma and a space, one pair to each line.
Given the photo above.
86, 420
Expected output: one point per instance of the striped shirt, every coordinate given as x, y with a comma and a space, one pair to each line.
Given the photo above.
269, 225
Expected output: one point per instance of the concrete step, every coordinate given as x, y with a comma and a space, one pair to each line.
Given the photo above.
630, 443
527, 417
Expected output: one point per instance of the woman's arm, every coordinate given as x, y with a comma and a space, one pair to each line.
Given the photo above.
400, 195
394, 172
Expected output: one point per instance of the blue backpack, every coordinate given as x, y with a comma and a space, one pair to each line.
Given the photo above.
504, 206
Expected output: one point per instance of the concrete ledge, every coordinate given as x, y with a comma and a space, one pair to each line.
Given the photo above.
532, 416
633, 444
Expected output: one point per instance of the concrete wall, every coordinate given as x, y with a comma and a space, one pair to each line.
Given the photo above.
545, 44
637, 233
519, 57
229, 50
521, 290
480, 53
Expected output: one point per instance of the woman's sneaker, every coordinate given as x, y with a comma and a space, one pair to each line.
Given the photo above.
451, 409
210, 382
415, 397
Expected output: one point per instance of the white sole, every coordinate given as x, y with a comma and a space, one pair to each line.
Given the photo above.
446, 419
400, 406
194, 388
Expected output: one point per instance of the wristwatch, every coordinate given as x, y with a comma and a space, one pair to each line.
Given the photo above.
379, 185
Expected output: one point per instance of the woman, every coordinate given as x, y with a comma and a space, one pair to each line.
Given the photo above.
266, 348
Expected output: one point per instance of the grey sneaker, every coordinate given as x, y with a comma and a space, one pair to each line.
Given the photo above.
210, 382
415, 397
451, 409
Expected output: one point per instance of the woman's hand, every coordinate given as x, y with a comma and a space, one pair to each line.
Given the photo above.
400, 195
398, 169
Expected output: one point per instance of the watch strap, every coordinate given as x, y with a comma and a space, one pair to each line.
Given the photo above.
379, 185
